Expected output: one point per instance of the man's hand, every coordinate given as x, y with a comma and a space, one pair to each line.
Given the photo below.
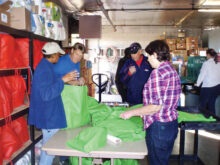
81, 81
132, 69
70, 76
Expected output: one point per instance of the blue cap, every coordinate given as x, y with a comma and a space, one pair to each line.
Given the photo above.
134, 47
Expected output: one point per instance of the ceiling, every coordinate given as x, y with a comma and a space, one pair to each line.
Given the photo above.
180, 13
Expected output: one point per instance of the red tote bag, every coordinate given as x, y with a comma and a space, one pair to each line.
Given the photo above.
10, 142
20, 127
6, 107
7, 51
1, 153
22, 45
17, 87
37, 46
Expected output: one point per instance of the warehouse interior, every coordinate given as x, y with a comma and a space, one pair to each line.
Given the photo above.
106, 28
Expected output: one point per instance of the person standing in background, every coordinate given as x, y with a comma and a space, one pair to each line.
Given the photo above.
71, 62
135, 73
122, 89
160, 98
209, 77
46, 107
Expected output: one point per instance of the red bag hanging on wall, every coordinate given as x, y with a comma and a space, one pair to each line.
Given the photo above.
6, 107
20, 127
1, 153
17, 87
10, 55
22, 45
10, 141
7, 50
37, 54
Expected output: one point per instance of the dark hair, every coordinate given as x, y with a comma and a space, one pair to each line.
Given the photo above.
47, 55
213, 54
79, 46
127, 53
160, 48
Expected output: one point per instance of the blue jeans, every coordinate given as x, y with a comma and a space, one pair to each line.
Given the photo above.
160, 139
44, 158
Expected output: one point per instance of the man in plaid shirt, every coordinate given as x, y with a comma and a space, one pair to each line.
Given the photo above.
160, 98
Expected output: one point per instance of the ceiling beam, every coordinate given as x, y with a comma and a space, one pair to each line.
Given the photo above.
149, 9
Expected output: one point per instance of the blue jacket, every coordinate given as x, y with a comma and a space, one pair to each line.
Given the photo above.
135, 83
46, 106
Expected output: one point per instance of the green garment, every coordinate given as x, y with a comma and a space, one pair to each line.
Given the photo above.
89, 139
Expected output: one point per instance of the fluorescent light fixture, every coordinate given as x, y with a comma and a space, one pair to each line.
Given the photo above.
209, 10
211, 3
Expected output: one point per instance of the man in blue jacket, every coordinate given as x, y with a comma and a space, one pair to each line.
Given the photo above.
135, 74
46, 107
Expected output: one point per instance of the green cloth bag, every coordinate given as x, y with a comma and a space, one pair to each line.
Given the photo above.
89, 139
75, 161
75, 105
126, 130
122, 162
185, 116
99, 113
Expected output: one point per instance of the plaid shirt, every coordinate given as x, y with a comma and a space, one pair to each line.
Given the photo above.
162, 88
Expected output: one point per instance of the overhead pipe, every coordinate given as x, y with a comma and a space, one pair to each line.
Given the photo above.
100, 4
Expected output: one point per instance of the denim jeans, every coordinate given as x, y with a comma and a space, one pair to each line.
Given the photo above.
160, 137
44, 158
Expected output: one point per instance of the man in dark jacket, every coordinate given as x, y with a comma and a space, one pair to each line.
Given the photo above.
46, 106
135, 74
122, 88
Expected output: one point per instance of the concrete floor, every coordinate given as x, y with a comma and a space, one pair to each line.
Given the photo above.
208, 150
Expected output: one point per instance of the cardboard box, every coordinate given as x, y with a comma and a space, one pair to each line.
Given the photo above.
181, 53
34, 9
172, 47
181, 40
180, 46
4, 17
20, 18
171, 41
192, 40
190, 46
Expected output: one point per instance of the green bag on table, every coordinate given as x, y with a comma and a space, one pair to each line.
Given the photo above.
99, 113
85, 161
75, 105
122, 162
126, 130
89, 139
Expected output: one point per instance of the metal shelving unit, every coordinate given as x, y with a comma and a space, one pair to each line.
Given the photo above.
24, 109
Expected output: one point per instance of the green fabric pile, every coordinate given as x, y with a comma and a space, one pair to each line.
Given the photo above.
185, 116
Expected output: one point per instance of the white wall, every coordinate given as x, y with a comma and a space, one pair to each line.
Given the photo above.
214, 39
123, 37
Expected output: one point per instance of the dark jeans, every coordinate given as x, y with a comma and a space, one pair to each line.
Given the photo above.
208, 97
160, 139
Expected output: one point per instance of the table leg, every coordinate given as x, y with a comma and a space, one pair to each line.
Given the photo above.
182, 144
80, 160
195, 152
112, 161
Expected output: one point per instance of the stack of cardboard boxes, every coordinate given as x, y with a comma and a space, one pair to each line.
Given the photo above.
181, 48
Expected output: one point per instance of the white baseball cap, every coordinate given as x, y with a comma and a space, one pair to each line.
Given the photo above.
52, 48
